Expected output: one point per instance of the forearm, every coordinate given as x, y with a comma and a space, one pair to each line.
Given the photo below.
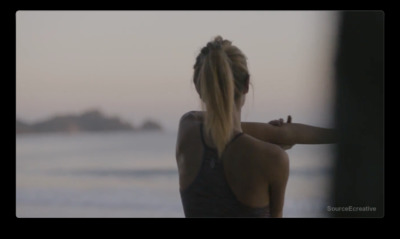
289, 133
306, 134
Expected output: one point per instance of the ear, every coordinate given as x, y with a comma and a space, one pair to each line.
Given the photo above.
246, 85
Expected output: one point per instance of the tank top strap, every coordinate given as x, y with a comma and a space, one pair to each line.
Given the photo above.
235, 137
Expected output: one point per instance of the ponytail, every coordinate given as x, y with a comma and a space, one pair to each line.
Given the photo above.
217, 92
221, 77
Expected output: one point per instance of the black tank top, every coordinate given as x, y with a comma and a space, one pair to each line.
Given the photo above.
210, 195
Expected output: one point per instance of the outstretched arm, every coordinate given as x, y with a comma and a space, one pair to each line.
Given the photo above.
284, 133
290, 133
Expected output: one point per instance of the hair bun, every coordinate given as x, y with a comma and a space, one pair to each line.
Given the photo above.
218, 39
204, 50
214, 45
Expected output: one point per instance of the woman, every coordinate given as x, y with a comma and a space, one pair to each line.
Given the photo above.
229, 168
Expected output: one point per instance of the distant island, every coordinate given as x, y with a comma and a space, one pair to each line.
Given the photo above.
89, 121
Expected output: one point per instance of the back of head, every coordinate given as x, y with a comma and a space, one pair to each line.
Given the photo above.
221, 77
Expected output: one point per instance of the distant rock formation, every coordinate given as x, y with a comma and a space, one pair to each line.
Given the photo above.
150, 125
22, 127
89, 121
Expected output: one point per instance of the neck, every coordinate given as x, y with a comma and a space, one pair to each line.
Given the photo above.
237, 125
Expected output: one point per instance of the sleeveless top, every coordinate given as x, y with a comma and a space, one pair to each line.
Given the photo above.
210, 195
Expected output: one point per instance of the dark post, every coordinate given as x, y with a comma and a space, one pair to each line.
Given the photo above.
359, 167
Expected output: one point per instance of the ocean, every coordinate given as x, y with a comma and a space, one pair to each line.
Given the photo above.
134, 174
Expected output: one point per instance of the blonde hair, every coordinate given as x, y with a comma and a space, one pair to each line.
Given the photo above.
220, 77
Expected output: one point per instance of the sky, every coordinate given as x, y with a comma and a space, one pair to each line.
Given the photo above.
138, 65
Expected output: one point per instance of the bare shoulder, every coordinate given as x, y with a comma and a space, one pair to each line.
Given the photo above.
188, 123
191, 116
274, 154
272, 160
276, 165
189, 120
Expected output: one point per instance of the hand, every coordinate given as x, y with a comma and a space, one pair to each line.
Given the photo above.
279, 123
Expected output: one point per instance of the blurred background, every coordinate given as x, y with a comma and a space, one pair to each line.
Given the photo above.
99, 96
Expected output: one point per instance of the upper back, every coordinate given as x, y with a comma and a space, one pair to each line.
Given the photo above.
247, 162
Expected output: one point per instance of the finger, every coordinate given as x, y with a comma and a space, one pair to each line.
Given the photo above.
289, 119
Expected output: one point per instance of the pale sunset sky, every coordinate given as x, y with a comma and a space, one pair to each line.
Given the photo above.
138, 64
